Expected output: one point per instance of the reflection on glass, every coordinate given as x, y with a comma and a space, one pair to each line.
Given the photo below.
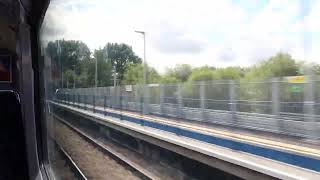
244, 66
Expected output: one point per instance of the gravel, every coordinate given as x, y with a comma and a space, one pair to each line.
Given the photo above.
93, 163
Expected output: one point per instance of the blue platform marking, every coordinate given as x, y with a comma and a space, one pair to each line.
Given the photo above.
286, 157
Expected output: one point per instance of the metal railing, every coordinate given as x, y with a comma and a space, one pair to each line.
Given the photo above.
274, 106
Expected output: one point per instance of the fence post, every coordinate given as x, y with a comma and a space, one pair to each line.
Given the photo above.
94, 100
232, 100
275, 96
137, 98
118, 97
74, 99
78, 101
125, 98
113, 97
104, 105
85, 101
180, 101
275, 99
202, 99
146, 98
308, 106
161, 92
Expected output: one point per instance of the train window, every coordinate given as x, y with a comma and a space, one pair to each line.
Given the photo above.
5, 68
182, 89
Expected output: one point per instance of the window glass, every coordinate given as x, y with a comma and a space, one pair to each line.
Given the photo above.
117, 67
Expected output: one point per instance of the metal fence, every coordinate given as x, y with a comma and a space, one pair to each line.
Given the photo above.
276, 105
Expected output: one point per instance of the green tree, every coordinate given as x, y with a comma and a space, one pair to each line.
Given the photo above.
203, 74
316, 69
230, 73
168, 79
134, 75
180, 73
104, 68
69, 55
121, 56
281, 64
70, 78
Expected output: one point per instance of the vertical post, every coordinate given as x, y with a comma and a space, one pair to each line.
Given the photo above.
275, 98
59, 57
146, 99
78, 102
85, 101
114, 76
71, 97
94, 101
115, 98
137, 98
144, 59
104, 105
180, 101
202, 99
109, 97
96, 74
232, 100
161, 92
118, 95
126, 99
142, 106
308, 106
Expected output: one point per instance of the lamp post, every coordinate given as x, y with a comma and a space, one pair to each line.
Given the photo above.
59, 59
145, 99
144, 57
96, 73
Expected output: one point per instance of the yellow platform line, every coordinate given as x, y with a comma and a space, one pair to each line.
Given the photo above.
232, 136
229, 135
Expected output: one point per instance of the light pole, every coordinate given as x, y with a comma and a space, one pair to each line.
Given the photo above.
74, 77
144, 57
114, 73
96, 74
145, 99
59, 59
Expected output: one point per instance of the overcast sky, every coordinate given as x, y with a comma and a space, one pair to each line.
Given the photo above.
199, 32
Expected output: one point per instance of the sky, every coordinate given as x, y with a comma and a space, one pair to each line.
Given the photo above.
217, 33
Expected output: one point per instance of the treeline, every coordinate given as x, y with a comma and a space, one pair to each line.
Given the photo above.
279, 65
73, 62
76, 63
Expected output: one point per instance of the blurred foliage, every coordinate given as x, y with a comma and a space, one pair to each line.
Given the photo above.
277, 66
77, 64
204, 74
134, 75
104, 68
75, 61
121, 56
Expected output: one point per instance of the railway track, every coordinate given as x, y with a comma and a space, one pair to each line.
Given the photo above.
132, 166
75, 169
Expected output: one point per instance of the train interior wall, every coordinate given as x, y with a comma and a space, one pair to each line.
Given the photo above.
13, 157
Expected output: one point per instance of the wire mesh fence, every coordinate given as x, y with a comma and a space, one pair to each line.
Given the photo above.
266, 105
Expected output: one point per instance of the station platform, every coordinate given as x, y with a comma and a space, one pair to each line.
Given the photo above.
276, 156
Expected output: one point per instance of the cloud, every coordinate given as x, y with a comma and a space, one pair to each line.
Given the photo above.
226, 54
206, 32
173, 42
